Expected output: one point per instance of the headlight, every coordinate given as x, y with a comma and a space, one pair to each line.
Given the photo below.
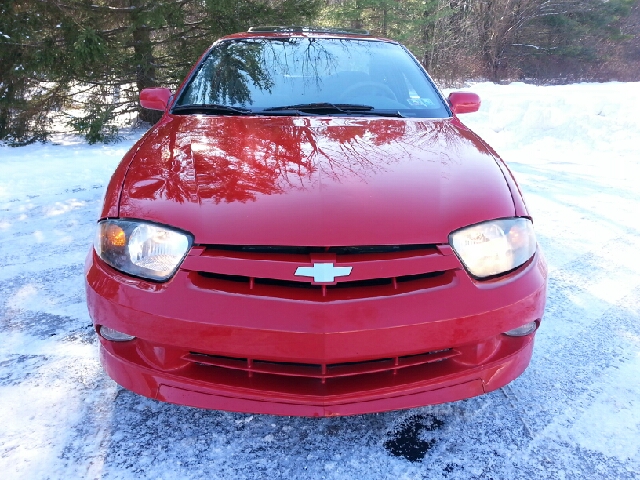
141, 249
494, 247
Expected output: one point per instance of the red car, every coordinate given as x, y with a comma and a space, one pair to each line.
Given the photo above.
310, 230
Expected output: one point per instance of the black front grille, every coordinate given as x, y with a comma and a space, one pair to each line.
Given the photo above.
374, 282
380, 270
293, 250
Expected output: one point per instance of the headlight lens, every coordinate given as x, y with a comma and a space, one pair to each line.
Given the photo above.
494, 247
141, 249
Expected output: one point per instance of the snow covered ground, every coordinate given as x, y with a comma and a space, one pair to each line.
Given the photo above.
574, 414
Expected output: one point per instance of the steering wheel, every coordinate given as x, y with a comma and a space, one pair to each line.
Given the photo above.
381, 87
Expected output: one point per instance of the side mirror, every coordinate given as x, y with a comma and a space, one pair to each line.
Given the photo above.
464, 102
155, 98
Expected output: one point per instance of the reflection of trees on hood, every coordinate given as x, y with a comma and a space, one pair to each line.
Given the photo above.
245, 161
235, 159
168, 171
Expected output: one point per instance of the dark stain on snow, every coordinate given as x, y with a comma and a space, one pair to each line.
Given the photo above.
406, 441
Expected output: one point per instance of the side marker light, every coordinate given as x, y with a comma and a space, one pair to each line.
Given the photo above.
114, 335
522, 331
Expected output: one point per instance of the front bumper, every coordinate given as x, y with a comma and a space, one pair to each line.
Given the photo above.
176, 320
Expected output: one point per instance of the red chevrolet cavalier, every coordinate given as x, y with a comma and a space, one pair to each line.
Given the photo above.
310, 230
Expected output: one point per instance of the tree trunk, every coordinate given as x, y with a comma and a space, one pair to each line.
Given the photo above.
144, 60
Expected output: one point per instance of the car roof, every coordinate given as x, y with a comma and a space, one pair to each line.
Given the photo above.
303, 31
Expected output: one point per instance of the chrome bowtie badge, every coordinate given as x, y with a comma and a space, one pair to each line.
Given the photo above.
323, 272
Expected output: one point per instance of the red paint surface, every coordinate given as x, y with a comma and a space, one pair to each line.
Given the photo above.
155, 98
314, 181
464, 102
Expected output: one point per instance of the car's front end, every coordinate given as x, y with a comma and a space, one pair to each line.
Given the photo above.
373, 345
291, 262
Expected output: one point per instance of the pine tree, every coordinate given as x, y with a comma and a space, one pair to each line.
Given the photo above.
89, 59
85, 61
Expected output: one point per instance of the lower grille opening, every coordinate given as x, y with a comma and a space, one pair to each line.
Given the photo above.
320, 371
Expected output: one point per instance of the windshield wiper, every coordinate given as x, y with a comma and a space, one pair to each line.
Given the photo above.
321, 108
211, 109
331, 108
300, 109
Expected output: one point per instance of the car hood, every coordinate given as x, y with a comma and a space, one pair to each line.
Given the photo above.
314, 181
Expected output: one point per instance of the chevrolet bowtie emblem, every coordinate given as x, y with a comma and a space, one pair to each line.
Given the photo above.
323, 272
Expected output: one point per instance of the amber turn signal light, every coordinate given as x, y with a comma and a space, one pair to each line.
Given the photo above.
115, 235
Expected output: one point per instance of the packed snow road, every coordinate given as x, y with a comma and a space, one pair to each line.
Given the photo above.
574, 414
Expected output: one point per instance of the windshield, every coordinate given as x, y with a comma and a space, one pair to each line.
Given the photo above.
319, 76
